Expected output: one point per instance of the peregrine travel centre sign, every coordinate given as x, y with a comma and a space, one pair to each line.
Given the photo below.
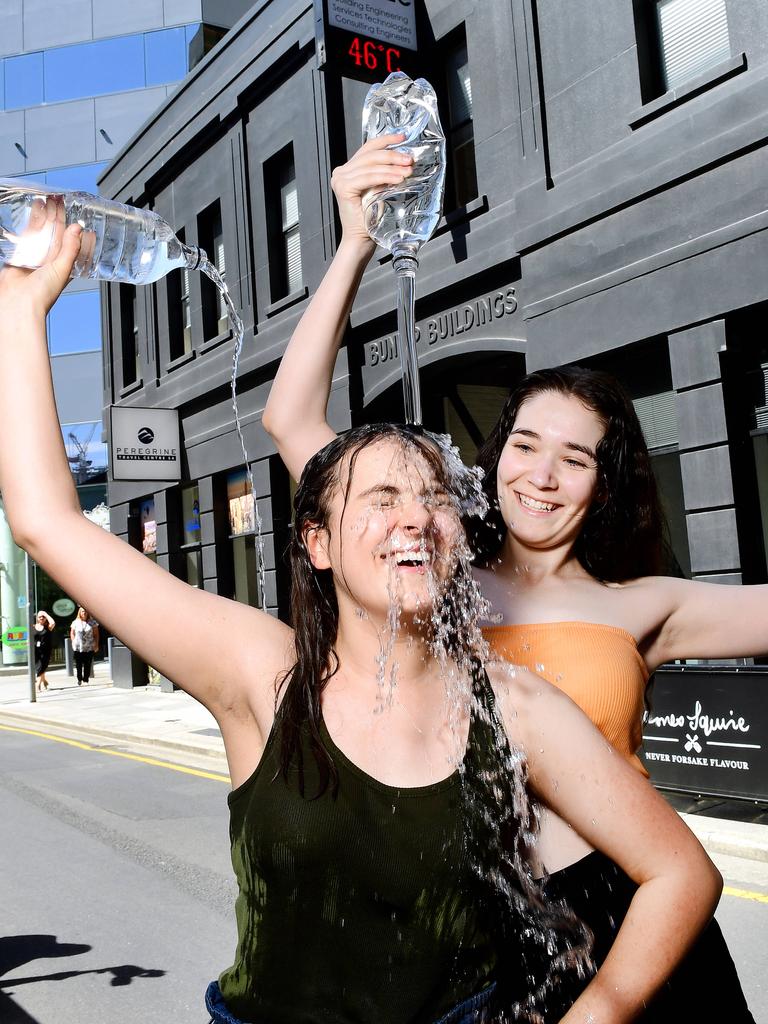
144, 443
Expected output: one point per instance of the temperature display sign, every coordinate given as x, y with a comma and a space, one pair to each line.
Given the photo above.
367, 53
366, 39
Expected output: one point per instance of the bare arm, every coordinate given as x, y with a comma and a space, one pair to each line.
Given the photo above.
295, 413
193, 637
576, 773
706, 620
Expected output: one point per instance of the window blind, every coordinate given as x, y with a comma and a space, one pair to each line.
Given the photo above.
658, 418
693, 36
459, 87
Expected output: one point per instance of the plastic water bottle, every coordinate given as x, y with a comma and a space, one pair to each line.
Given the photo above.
402, 217
119, 243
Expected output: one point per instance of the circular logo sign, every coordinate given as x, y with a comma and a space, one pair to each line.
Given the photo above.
146, 435
63, 606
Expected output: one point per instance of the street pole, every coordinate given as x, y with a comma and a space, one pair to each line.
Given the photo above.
29, 566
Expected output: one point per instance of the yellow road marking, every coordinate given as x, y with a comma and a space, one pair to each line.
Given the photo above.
745, 894
217, 777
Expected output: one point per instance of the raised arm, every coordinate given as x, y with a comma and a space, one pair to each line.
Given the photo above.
295, 413
223, 653
706, 620
584, 781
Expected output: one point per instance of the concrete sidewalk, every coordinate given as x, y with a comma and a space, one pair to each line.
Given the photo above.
174, 723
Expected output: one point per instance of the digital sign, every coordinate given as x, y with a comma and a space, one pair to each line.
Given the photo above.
366, 39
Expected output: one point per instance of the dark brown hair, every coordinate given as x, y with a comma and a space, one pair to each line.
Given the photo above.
622, 535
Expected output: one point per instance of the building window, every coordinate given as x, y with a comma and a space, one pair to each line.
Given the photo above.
191, 536
242, 537
284, 240
179, 310
210, 235
692, 37
129, 333
74, 323
461, 176
109, 65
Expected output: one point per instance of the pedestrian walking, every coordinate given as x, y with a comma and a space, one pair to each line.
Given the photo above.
371, 751
84, 634
42, 637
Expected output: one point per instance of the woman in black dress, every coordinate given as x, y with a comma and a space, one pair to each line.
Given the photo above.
43, 641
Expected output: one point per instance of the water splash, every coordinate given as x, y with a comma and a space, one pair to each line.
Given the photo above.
238, 331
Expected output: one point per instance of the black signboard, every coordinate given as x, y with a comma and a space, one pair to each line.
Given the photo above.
366, 39
707, 731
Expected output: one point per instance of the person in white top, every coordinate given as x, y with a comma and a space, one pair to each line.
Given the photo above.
84, 634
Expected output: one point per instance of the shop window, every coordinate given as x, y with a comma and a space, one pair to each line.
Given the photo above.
284, 239
179, 310
242, 538
210, 235
142, 527
129, 334
679, 40
461, 175
191, 536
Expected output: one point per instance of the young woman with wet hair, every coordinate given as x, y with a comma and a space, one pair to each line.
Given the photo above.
353, 843
568, 557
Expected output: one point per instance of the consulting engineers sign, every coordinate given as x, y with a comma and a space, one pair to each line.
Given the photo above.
707, 731
144, 443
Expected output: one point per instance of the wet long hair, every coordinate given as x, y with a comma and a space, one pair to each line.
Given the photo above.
314, 608
622, 537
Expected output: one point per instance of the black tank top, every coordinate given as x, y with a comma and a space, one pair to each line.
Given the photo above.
359, 906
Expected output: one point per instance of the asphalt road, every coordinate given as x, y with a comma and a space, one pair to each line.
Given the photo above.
116, 891
116, 887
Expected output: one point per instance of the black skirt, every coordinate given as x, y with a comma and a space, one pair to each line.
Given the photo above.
600, 893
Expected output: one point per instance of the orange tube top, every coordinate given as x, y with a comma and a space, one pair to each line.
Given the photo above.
598, 666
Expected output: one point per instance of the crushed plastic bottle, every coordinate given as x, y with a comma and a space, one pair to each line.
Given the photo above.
402, 217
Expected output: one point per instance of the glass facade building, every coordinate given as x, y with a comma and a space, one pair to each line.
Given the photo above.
77, 79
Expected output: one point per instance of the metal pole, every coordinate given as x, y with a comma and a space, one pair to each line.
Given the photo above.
29, 567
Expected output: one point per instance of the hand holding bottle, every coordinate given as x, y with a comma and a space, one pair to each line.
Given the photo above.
25, 291
375, 165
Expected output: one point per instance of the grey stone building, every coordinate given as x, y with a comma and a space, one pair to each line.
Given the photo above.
606, 204
77, 79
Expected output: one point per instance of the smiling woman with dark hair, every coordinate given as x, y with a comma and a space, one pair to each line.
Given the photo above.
567, 560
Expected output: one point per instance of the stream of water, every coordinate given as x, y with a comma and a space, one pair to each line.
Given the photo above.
238, 332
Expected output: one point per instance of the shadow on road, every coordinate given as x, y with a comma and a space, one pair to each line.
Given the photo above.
18, 950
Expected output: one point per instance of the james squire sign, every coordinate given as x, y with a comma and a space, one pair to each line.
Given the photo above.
707, 731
